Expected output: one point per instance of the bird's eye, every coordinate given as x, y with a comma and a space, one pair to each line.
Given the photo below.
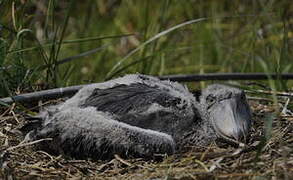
242, 97
210, 99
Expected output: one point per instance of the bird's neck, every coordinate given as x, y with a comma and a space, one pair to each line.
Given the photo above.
201, 133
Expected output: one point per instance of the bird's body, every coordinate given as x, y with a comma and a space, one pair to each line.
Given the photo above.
137, 116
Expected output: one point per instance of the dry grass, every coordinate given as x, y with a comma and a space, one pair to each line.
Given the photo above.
22, 161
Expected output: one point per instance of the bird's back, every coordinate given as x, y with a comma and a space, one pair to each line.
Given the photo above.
148, 103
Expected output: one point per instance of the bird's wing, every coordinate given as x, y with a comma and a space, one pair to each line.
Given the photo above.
145, 106
122, 99
88, 133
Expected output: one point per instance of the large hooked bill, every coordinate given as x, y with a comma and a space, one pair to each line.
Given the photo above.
229, 112
232, 119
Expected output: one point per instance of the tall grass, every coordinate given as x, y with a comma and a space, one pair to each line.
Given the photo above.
236, 36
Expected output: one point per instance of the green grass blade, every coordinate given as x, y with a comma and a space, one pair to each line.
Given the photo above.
3, 51
71, 41
64, 28
157, 36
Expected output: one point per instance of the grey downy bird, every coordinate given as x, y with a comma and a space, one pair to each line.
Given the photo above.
140, 116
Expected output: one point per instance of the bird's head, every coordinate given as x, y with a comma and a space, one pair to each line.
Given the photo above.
228, 111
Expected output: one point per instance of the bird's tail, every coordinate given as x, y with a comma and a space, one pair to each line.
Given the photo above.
34, 123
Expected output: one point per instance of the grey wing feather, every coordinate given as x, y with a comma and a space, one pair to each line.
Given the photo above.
145, 106
122, 98
90, 133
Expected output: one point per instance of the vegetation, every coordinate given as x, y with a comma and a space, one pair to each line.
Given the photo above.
134, 36
50, 43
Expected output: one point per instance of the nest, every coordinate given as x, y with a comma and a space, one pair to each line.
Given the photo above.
268, 155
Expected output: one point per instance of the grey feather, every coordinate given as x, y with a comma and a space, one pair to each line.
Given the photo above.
137, 116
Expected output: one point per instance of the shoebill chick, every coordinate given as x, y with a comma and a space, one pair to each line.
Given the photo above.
140, 116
